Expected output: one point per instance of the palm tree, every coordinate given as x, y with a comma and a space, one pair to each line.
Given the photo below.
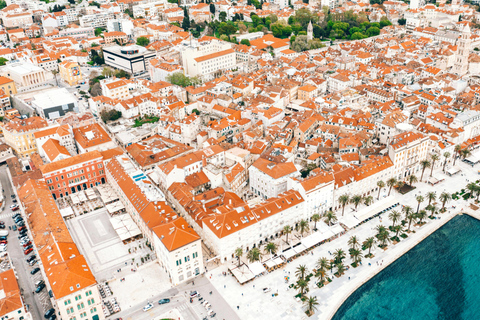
315, 218
356, 255
254, 255
410, 217
271, 248
432, 208
369, 244
446, 155
356, 199
424, 164
400, 185
312, 305
391, 183
322, 264
382, 235
303, 226
330, 217
368, 200
407, 210
353, 242
465, 153
434, 158
472, 187
422, 214
339, 255
380, 185
302, 284
301, 271
445, 197
321, 274
343, 200
420, 199
394, 216
398, 228
431, 196
55, 72
238, 254
287, 230
458, 148
412, 179
340, 268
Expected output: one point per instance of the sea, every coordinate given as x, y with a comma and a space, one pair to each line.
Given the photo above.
437, 279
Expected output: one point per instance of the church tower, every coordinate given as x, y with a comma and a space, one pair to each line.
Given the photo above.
463, 51
310, 31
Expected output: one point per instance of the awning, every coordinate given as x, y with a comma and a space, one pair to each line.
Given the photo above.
336, 229
124, 226
350, 221
453, 170
115, 207
256, 268
313, 239
81, 196
299, 248
66, 212
74, 198
270, 263
287, 254
375, 208
242, 273
91, 195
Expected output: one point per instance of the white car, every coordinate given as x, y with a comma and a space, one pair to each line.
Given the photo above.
3, 247
148, 307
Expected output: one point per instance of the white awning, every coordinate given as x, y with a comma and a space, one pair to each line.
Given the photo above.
115, 207
336, 229
124, 226
257, 268
91, 195
350, 221
287, 254
270, 263
74, 198
66, 212
242, 273
472, 159
453, 170
81, 196
375, 208
315, 238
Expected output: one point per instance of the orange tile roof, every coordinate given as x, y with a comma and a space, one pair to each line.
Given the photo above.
53, 149
214, 55
100, 136
176, 234
75, 160
275, 170
11, 299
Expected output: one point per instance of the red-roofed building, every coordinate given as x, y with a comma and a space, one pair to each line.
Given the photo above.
407, 150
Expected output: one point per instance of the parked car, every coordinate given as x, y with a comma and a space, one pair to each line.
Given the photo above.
14, 228
2, 223
2, 226
14, 200
3, 238
49, 313
193, 294
27, 251
40, 288
18, 220
163, 301
15, 216
24, 240
27, 244
22, 228
31, 263
3, 241
32, 257
148, 307
34, 270
14, 206
3, 233
28, 247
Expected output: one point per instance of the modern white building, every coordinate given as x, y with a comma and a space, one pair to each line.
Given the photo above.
133, 59
54, 103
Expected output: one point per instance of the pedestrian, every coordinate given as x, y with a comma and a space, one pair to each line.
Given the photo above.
224, 286
242, 294
348, 278
238, 308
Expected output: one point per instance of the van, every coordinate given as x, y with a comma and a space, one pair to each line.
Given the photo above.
3, 233
49, 313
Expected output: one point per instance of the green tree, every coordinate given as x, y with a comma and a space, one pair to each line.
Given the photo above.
98, 32
226, 29
357, 36
380, 185
254, 255
368, 200
356, 256
287, 230
186, 20
444, 198
302, 284
434, 158
422, 214
222, 16
303, 226
369, 244
340, 268
419, 199
212, 8
394, 216
431, 196
3, 4
182, 80
373, 31
238, 254
143, 41
312, 304
356, 200
458, 148
385, 22
300, 272
407, 210
271, 248
315, 218
245, 42
338, 255
391, 183
353, 242
330, 217
411, 217
402, 21
424, 164
110, 115
343, 200
412, 179
3, 61
446, 155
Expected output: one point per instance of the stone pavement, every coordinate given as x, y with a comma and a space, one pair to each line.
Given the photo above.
254, 304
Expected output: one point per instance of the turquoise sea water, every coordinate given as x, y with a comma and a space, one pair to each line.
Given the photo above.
437, 279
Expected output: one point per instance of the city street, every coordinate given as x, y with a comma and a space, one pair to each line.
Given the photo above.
38, 303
